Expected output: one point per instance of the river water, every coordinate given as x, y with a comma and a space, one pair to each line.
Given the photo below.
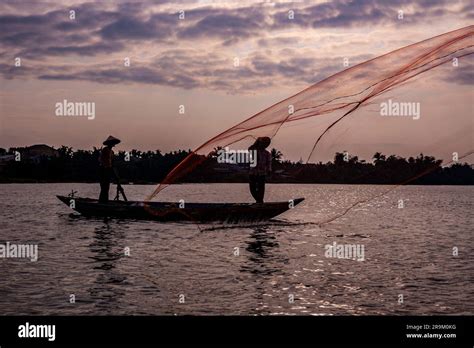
417, 244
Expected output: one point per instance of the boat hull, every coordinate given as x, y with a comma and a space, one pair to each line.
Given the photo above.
168, 211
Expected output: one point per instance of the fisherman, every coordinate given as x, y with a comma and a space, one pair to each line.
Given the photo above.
258, 173
106, 169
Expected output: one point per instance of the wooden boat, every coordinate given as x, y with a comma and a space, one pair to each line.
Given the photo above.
164, 211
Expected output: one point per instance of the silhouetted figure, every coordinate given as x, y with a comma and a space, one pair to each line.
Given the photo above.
258, 174
106, 168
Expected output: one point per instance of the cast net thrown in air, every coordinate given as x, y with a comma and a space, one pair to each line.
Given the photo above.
416, 99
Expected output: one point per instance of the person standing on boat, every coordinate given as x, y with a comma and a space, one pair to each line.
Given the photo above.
263, 168
106, 168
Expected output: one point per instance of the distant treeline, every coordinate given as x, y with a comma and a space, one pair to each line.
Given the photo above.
66, 165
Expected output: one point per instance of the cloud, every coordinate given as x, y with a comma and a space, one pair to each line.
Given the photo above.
53, 33
184, 69
344, 14
86, 50
156, 27
231, 26
463, 74
127, 75
198, 51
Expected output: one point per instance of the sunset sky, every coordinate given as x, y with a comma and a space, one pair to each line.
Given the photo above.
191, 61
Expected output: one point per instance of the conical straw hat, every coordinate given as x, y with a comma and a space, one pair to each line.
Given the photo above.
111, 140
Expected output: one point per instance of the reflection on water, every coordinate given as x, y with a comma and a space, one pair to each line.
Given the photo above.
107, 249
264, 258
407, 251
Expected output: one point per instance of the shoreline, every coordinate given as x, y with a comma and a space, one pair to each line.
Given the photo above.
233, 182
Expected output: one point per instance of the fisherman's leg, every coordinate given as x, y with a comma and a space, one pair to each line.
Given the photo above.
104, 191
101, 182
104, 186
103, 197
253, 186
260, 188
109, 180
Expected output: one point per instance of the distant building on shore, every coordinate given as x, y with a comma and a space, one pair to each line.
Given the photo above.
33, 153
41, 150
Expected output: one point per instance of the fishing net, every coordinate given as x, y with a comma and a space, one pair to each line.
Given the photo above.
414, 100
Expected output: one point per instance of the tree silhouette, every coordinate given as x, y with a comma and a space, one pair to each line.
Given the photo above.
152, 166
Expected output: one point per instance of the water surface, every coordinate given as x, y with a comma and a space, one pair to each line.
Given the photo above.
408, 252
